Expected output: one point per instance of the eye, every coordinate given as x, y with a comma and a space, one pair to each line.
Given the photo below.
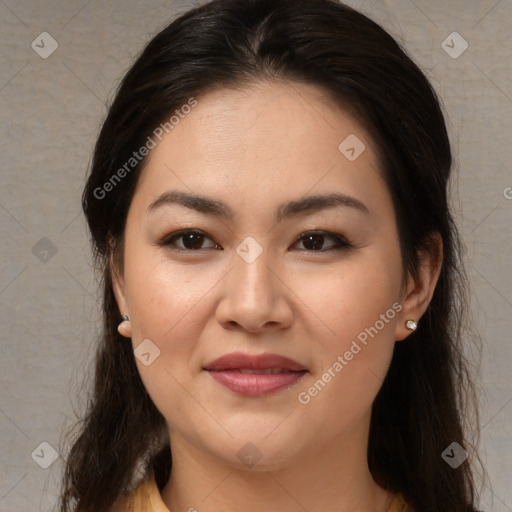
314, 241
191, 240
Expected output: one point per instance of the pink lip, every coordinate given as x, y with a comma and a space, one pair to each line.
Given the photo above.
227, 371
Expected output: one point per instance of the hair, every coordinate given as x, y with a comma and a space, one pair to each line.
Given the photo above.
427, 397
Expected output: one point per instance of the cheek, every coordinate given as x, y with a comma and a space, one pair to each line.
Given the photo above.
351, 364
164, 296
352, 297
168, 304
358, 306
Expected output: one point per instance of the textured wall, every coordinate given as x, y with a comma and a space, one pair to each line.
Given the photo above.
51, 111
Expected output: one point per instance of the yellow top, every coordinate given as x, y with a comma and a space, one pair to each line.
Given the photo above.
146, 498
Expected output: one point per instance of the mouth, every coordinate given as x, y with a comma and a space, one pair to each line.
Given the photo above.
255, 375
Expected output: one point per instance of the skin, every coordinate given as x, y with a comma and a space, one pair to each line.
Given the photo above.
254, 149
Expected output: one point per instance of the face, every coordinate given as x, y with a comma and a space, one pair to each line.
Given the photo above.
259, 232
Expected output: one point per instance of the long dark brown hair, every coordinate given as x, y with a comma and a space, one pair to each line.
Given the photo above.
427, 397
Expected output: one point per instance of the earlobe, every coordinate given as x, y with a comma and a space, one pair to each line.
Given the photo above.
420, 289
124, 327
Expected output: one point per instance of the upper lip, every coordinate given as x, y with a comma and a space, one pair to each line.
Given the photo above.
239, 360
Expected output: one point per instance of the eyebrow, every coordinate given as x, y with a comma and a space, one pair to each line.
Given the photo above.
287, 210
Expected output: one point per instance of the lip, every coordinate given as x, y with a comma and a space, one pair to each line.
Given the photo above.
242, 373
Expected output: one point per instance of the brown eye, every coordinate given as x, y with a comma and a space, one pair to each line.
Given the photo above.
191, 240
315, 240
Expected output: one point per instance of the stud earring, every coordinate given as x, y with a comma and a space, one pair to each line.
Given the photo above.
124, 327
411, 325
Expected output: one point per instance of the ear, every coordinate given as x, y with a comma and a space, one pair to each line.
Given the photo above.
420, 289
118, 286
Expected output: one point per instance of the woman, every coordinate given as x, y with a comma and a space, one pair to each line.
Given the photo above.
282, 286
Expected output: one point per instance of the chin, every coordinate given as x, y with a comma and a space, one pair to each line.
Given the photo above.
258, 451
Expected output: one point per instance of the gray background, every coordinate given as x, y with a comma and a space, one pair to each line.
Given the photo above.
51, 112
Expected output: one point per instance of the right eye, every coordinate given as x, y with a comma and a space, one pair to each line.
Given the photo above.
191, 240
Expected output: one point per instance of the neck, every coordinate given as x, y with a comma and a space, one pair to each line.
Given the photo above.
332, 477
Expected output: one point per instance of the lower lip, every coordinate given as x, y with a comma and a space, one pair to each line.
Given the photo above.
256, 384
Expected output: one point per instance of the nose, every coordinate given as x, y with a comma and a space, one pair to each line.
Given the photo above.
254, 296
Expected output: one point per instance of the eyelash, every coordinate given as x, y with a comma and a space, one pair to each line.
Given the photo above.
340, 241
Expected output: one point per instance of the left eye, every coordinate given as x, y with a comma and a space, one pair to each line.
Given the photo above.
314, 241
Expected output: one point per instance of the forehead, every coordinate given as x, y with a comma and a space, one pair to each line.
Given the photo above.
269, 139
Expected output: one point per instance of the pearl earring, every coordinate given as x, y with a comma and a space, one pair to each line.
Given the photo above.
124, 327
